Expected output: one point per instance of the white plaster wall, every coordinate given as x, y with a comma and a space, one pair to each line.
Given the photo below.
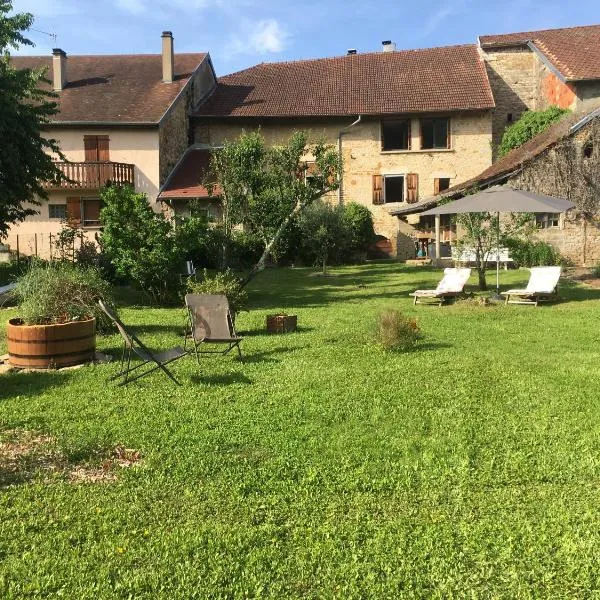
135, 146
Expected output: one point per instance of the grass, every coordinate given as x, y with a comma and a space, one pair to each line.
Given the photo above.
323, 466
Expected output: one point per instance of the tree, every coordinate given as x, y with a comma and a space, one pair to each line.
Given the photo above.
528, 126
325, 233
264, 188
482, 231
359, 221
25, 155
139, 242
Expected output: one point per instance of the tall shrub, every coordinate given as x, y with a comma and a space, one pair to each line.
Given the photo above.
358, 220
139, 242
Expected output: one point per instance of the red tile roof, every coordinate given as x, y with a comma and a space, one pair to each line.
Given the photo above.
574, 51
186, 178
409, 81
116, 88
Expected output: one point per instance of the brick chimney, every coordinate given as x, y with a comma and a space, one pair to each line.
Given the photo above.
59, 69
167, 57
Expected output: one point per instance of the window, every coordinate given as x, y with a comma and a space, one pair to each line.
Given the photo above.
588, 150
83, 212
309, 173
509, 118
435, 134
395, 135
441, 184
394, 188
57, 211
96, 148
547, 220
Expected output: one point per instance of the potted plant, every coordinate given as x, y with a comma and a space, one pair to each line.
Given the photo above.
56, 326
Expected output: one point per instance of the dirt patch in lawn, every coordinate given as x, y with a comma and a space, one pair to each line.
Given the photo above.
583, 275
30, 455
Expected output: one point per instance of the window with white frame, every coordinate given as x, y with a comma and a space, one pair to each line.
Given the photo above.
547, 220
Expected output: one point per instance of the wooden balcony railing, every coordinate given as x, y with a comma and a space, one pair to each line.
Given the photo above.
92, 175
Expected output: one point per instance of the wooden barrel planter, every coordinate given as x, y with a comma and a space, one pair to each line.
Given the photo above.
281, 323
50, 346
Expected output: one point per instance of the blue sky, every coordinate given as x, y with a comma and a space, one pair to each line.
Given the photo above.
240, 33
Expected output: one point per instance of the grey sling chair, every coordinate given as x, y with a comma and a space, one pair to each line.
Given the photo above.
133, 345
210, 322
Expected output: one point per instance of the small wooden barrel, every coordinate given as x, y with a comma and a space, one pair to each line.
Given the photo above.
281, 323
50, 346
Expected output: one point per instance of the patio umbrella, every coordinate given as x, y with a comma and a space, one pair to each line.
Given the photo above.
502, 199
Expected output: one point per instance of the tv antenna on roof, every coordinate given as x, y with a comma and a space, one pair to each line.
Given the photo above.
52, 35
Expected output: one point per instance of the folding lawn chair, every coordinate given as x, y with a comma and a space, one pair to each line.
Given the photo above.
133, 345
542, 287
450, 286
210, 322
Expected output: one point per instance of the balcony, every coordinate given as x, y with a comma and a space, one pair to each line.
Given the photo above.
91, 175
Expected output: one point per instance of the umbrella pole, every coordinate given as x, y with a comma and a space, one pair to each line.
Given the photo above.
498, 255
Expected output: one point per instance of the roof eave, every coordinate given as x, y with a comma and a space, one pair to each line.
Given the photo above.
348, 114
102, 124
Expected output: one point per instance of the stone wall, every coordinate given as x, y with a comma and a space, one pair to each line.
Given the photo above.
570, 170
175, 131
512, 73
362, 156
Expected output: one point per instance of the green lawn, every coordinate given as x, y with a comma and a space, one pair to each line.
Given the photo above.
323, 467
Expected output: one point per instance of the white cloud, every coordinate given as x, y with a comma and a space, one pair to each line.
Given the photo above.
268, 37
258, 37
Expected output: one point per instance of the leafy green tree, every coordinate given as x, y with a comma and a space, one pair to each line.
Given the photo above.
138, 242
25, 155
324, 232
528, 126
264, 188
481, 232
359, 222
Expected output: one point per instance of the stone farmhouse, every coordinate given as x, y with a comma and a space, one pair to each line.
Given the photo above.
409, 124
563, 161
123, 119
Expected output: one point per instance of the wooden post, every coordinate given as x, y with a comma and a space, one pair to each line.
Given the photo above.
35, 244
437, 237
50, 247
18, 254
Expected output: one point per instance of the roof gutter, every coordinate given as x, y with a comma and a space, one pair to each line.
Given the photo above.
341, 133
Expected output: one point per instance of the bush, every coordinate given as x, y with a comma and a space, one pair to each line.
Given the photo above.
59, 292
197, 241
530, 253
140, 243
221, 282
325, 237
245, 249
396, 331
358, 220
528, 126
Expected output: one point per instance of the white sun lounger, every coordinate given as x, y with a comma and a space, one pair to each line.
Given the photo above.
542, 287
451, 285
